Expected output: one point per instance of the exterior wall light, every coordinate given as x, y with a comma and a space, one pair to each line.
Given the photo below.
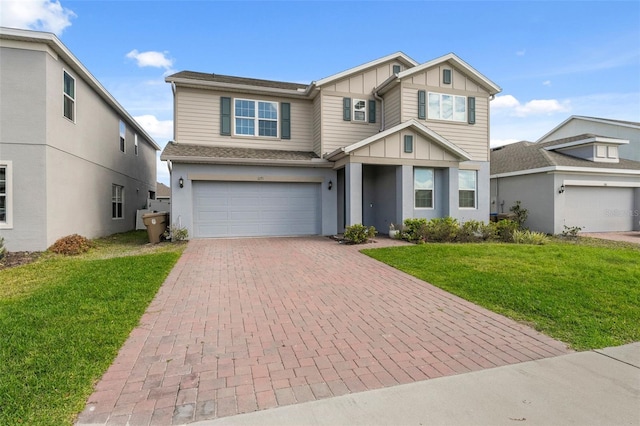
330, 185
181, 182
561, 190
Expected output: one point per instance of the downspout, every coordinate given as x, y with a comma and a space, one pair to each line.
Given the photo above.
173, 89
379, 98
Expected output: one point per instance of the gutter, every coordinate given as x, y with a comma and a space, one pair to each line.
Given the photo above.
318, 163
381, 99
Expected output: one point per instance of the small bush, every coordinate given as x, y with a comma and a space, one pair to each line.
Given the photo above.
415, 230
359, 234
504, 229
520, 213
176, 233
571, 232
530, 237
71, 245
442, 229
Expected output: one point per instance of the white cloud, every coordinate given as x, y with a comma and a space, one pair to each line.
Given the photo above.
546, 83
151, 59
160, 130
521, 52
533, 107
39, 15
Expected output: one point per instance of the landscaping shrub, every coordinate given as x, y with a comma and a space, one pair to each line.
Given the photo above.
415, 230
71, 245
570, 232
2, 249
176, 233
504, 230
529, 237
474, 231
359, 234
442, 229
520, 213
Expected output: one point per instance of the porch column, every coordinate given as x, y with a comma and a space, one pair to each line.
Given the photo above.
453, 205
404, 193
353, 193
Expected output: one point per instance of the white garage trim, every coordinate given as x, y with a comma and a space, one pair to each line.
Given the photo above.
599, 209
252, 178
601, 183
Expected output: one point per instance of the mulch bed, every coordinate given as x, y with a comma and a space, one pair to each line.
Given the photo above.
17, 258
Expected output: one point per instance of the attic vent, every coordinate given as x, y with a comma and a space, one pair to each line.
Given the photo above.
396, 69
446, 76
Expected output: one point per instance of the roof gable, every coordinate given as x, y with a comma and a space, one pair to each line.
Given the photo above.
417, 127
483, 81
399, 56
630, 124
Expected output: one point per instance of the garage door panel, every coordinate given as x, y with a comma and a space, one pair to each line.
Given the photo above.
599, 209
224, 209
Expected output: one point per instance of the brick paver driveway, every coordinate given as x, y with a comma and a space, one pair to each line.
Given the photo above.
249, 324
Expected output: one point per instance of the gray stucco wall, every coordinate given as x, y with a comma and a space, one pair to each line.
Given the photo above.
63, 171
182, 198
379, 197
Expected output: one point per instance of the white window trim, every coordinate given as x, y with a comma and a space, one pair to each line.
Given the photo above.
64, 95
121, 201
135, 143
256, 119
364, 109
8, 223
475, 191
466, 107
433, 190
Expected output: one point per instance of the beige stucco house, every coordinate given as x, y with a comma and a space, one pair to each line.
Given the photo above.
384, 141
72, 160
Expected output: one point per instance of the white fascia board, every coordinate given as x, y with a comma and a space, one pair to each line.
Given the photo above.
248, 161
568, 169
359, 68
493, 88
592, 119
601, 183
232, 87
592, 140
418, 127
54, 42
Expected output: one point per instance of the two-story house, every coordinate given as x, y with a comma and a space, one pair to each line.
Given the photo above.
376, 144
72, 159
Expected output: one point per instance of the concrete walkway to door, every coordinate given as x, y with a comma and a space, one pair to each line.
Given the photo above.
250, 324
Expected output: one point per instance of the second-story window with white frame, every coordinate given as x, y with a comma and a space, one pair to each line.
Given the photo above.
360, 110
256, 118
69, 96
447, 107
468, 187
123, 132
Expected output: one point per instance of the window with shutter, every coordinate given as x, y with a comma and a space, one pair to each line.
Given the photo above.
285, 123
346, 109
422, 104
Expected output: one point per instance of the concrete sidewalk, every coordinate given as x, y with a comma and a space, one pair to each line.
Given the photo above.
587, 388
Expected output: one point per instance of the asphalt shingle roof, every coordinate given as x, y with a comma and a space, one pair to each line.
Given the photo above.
530, 155
173, 150
219, 78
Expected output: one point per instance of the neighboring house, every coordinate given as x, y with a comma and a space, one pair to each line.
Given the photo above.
579, 125
376, 144
579, 181
72, 160
162, 201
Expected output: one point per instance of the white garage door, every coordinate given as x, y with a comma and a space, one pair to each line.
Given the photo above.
599, 209
251, 209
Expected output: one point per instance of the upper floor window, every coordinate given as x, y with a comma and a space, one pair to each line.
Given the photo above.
359, 110
123, 131
256, 118
467, 184
423, 188
117, 201
135, 143
69, 96
447, 107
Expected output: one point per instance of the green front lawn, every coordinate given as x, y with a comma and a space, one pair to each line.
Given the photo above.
63, 320
586, 294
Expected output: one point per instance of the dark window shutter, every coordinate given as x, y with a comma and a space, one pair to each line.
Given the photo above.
372, 111
471, 110
396, 69
285, 120
422, 104
346, 109
446, 76
408, 143
225, 116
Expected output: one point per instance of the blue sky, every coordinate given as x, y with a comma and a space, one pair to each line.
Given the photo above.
552, 59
